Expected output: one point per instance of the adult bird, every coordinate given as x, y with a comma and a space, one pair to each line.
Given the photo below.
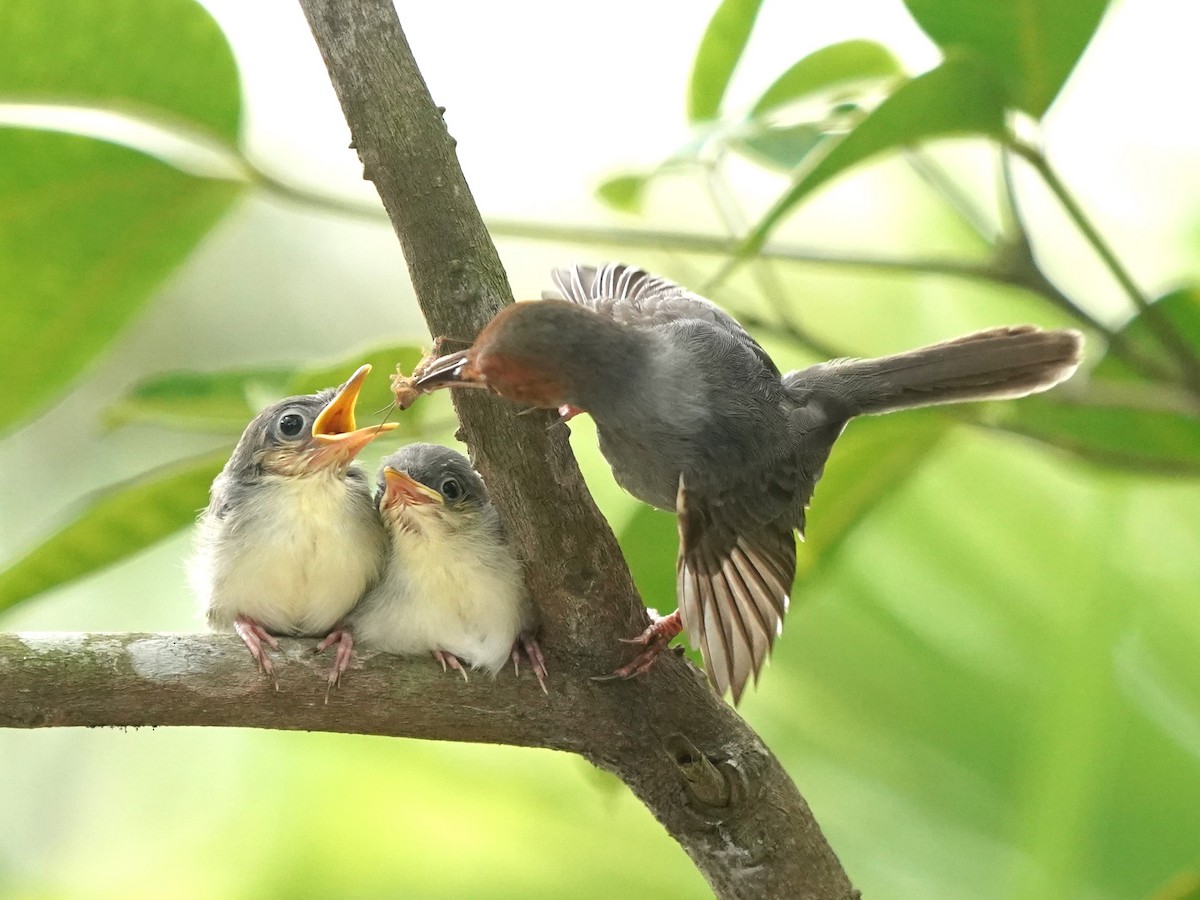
290, 539
694, 417
452, 585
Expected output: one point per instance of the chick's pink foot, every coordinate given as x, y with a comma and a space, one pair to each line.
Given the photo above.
533, 651
253, 635
654, 639
341, 659
450, 661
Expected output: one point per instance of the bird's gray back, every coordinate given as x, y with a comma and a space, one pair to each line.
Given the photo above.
631, 296
709, 409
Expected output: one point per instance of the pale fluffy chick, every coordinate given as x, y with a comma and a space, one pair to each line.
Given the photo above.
290, 540
452, 585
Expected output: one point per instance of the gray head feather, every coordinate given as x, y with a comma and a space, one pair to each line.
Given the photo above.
446, 471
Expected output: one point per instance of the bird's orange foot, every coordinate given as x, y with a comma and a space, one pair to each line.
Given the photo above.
450, 661
341, 659
537, 662
654, 640
253, 635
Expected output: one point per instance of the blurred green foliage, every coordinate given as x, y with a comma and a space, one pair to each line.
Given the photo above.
91, 229
987, 687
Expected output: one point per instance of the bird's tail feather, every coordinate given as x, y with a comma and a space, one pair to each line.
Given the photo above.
987, 365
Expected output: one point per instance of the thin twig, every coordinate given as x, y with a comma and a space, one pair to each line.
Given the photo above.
932, 173
1171, 340
734, 220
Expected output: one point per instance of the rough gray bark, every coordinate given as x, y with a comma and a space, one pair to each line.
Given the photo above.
696, 765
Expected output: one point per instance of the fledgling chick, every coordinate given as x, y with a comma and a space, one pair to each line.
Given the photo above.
452, 586
695, 417
290, 539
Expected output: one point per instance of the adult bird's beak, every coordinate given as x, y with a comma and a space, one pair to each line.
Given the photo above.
451, 370
338, 441
401, 489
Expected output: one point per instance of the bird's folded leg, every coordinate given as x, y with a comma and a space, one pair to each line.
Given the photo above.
345, 650
449, 660
253, 635
654, 639
537, 662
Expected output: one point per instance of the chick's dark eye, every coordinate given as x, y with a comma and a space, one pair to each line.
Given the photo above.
291, 425
450, 489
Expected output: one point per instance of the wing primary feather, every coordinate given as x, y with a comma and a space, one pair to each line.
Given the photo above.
764, 621
771, 569
577, 287
689, 605
716, 642
737, 633
759, 582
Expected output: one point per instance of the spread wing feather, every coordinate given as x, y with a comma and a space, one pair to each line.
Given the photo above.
733, 590
631, 296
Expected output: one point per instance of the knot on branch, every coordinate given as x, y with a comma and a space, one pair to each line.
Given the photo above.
712, 784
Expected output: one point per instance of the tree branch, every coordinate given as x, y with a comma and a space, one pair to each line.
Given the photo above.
695, 764
687, 756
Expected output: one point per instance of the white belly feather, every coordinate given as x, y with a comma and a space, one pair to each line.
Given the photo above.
442, 591
296, 560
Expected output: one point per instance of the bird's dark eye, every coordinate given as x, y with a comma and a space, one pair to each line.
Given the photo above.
291, 424
450, 489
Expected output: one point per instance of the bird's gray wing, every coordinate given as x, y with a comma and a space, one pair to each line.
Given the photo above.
733, 577
631, 296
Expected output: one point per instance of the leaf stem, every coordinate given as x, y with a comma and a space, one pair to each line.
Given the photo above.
685, 242
1171, 340
937, 179
733, 218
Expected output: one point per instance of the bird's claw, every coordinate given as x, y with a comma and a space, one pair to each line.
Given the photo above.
533, 651
341, 660
253, 635
654, 639
450, 661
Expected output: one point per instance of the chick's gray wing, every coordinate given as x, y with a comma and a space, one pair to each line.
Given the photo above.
631, 296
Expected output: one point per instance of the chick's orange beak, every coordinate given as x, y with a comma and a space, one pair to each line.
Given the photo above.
402, 489
336, 437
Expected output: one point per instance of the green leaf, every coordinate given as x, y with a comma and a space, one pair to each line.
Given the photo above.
200, 401
781, 148
650, 542
624, 192
724, 40
1180, 309
1156, 440
90, 230
1030, 46
957, 98
225, 401
1184, 886
169, 55
376, 396
114, 524
830, 67
872, 458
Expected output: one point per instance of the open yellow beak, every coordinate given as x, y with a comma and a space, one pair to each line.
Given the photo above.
401, 489
334, 430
